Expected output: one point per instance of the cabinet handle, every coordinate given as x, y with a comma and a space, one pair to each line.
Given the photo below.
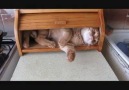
60, 22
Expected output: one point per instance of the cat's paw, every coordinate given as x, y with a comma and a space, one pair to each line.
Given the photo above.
71, 55
26, 45
52, 44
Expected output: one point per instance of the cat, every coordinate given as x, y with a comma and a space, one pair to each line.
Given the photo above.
65, 38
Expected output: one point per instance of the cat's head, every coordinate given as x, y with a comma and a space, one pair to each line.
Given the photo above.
90, 35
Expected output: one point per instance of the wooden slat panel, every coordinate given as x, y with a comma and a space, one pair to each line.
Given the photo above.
24, 18
31, 19
38, 48
56, 10
102, 30
16, 33
46, 21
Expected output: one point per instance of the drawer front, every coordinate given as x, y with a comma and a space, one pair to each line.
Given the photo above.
58, 20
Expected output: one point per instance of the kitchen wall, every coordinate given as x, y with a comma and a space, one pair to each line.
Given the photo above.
7, 21
115, 18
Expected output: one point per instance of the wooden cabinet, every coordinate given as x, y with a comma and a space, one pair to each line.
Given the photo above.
32, 19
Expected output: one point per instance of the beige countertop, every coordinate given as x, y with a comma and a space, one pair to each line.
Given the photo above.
53, 66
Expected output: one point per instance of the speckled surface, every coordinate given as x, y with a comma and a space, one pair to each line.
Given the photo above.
53, 66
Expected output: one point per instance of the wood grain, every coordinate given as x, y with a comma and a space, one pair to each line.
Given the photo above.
47, 21
30, 19
56, 10
39, 48
102, 30
16, 32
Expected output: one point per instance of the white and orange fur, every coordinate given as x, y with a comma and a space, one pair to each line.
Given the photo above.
64, 38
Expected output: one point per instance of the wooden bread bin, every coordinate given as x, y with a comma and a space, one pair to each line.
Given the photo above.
32, 19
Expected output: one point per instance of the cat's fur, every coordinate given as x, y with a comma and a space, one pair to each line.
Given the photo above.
65, 38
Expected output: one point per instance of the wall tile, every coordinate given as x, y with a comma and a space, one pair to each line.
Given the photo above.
2, 11
8, 24
1, 24
9, 11
126, 26
116, 18
106, 14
